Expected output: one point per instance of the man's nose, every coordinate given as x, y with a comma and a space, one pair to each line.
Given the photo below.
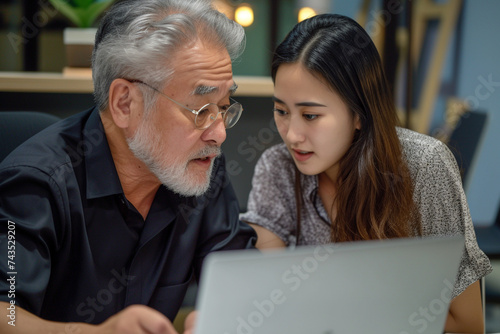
216, 132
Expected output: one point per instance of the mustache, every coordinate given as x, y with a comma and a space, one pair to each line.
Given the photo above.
206, 151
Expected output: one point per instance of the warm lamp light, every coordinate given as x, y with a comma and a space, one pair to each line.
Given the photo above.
244, 15
225, 8
305, 13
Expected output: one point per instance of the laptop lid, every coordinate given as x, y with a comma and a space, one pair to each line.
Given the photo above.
397, 286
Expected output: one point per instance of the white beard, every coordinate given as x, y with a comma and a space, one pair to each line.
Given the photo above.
171, 171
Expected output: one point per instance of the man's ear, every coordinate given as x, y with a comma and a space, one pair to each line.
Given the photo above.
122, 97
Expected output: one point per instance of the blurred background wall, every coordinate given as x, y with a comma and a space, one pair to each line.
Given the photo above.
31, 39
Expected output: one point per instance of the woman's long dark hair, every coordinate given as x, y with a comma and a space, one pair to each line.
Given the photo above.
374, 188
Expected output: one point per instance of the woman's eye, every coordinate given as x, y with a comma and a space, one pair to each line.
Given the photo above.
310, 117
279, 111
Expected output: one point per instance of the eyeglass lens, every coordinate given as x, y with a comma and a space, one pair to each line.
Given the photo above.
208, 114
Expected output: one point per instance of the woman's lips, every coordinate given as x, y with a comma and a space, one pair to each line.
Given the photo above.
301, 156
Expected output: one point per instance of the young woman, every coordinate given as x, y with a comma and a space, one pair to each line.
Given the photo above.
345, 171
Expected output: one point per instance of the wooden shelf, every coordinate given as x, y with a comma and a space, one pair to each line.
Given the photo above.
80, 81
39, 82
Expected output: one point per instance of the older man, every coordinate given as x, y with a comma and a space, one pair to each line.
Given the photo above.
109, 214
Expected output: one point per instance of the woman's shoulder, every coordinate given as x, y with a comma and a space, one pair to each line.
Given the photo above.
276, 160
277, 155
419, 148
277, 151
428, 159
410, 139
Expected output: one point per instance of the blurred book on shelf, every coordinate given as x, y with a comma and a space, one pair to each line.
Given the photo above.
80, 72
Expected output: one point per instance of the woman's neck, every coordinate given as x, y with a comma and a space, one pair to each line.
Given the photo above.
327, 190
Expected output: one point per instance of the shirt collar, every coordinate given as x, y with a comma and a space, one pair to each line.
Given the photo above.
102, 178
310, 185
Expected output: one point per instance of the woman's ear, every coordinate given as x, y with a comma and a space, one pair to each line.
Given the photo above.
357, 122
122, 98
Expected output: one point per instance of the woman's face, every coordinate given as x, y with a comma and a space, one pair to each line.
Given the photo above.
313, 121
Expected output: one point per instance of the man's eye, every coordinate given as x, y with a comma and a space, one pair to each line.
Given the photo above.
203, 112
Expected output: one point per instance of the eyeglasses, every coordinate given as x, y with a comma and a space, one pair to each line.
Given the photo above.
206, 115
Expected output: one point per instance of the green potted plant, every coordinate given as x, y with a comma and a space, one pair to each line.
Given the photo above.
79, 39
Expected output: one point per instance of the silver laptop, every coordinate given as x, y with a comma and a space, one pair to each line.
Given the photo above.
400, 286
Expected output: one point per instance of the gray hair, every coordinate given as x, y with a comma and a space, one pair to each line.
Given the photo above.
136, 38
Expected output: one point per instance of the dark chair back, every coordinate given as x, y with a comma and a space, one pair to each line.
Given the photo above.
465, 138
497, 222
18, 126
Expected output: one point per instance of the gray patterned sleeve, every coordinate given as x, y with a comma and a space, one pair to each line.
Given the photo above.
443, 205
271, 203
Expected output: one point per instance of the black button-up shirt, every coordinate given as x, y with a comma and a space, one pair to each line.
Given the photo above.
82, 251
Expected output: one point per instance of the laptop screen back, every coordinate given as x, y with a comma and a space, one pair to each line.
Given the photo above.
394, 286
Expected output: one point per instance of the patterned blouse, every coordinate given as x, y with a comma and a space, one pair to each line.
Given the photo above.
438, 194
